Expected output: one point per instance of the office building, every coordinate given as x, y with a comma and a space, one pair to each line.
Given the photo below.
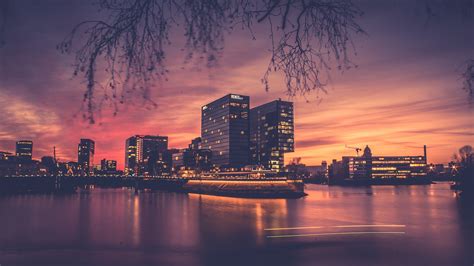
177, 159
225, 130
108, 166
369, 166
85, 155
49, 164
318, 170
271, 134
193, 158
24, 149
144, 154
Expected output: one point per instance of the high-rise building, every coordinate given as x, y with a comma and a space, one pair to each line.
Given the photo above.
24, 149
225, 130
271, 134
131, 162
144, 154
85, 155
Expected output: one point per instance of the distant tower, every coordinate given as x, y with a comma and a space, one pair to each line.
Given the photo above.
54, 153
368, 161
367, 152
424, 153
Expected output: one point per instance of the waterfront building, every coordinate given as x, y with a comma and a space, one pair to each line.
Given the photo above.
336, 172
195, 144
85, 155
318, 170
49, 164
225, 130
7, 163
108, 166
24, 149
178, 159
271, 134
193, 158
369, 166
68, 168
144, 154
199, 159
4, 155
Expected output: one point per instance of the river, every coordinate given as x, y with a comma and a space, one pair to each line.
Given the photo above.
383, 225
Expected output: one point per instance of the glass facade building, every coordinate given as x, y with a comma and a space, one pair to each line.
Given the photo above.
225, 130
24, 149
271, 134
145, 154
85, 155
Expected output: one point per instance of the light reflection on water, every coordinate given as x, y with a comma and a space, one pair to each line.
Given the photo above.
120, 227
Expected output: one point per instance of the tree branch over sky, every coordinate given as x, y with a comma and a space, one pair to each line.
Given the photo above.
468, 78
129, 47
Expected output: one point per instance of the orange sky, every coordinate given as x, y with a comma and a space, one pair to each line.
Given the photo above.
404, 94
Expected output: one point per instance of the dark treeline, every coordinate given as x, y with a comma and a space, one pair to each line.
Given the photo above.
464, 179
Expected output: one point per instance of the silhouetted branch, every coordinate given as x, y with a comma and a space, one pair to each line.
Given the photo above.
3, 20
468, 78
129, 47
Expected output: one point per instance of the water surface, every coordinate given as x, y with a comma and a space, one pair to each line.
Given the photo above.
424, 225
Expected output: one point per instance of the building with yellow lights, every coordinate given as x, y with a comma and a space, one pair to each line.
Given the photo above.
368, 166
271, 134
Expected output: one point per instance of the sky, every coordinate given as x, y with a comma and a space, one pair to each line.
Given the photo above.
405, 92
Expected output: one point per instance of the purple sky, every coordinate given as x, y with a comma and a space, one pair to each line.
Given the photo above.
404, 94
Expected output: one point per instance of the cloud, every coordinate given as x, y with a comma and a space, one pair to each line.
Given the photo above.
403, 95
316, 142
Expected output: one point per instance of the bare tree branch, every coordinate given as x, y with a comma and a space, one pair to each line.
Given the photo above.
129, 47
3, 20
468, 78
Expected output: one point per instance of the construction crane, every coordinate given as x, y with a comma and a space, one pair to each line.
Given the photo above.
355, 148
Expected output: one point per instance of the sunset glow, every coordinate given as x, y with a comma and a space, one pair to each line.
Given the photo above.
404, 94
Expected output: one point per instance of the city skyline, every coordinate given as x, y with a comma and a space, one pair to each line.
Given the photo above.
230, 132
404, 94
103, 153
219, 103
